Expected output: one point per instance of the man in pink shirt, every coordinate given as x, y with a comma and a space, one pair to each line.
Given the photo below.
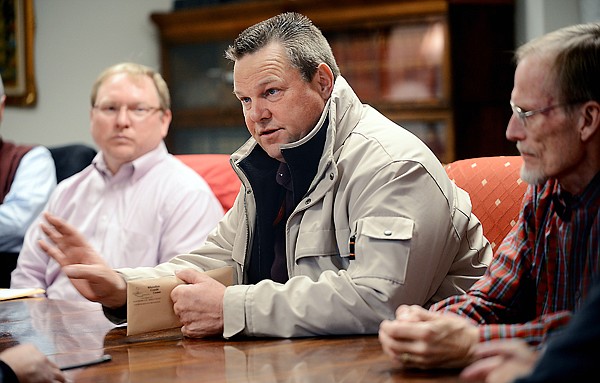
136, 204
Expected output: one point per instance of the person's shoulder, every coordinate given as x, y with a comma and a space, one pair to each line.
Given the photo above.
178, 172
39, 151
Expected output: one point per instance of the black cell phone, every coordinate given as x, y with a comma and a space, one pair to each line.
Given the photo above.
91, 362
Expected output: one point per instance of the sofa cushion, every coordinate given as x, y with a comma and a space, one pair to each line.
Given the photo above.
217, 172
496, 191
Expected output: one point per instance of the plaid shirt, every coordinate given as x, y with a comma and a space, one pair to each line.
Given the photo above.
543, 269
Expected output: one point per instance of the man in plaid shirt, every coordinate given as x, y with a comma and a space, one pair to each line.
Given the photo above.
544, 269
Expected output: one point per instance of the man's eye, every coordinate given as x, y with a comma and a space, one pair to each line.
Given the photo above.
245, 100
271, 92
109, 108
140, 109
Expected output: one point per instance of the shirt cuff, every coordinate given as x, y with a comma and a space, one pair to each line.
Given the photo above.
234, 310
116, 316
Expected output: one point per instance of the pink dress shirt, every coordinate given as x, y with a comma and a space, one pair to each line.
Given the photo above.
151, 210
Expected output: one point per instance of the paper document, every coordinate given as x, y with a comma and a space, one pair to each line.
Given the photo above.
149, 304
6, 294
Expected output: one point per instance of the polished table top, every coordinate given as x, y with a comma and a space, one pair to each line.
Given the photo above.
70, 332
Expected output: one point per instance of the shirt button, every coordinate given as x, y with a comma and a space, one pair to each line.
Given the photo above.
387, 233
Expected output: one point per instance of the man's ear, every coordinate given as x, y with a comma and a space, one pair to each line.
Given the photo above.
325, 80
591, 120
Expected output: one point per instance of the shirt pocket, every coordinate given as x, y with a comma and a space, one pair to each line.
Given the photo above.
382, 247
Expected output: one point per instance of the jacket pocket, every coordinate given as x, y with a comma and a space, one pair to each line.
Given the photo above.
382, 247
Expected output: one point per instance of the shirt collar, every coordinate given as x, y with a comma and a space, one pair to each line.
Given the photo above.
134, 169
565, 203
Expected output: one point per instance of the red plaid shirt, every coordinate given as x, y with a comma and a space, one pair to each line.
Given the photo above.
543, 269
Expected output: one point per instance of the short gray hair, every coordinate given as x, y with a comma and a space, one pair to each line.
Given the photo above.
303, 41
576, 53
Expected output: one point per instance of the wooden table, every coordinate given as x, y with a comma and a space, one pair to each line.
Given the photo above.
75, 331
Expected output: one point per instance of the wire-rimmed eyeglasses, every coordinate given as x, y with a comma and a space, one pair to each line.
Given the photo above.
134, 112
524, 114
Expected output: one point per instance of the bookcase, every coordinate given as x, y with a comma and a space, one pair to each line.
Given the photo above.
440, 68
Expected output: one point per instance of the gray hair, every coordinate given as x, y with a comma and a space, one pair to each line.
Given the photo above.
303, 41
1, 87
576, 67
135, 70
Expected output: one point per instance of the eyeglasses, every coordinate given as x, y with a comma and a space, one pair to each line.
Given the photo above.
134, 112
524, 114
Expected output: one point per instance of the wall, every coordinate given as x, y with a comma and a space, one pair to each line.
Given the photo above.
76, 39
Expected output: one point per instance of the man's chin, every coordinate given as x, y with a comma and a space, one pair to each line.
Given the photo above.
533, 177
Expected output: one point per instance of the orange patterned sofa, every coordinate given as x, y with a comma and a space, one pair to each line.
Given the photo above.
217, 172
496, 191
493, 183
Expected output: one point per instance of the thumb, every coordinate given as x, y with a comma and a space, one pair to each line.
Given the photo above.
190, 276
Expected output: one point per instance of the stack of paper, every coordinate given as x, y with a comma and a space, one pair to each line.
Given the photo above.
6, 294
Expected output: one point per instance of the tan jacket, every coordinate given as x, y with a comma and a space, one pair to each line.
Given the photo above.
417, 241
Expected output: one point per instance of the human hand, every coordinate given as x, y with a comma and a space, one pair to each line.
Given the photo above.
419, 338
500, 361
30, 365
199, 304
86, 269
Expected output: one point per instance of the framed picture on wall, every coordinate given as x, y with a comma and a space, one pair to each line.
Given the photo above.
16, 51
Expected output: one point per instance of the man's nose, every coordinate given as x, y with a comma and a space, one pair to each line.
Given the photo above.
123, 115
259, 111
515, 131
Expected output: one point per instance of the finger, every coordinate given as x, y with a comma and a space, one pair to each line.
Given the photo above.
59, 376
53, 252
479, 370
506, 347
91, 273
61, 227
406, 331
49, 231
191, 276
394, 346
408, 312
55, 221
418, 313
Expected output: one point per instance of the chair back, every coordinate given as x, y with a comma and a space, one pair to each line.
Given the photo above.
496, 191
71, 159
217, 172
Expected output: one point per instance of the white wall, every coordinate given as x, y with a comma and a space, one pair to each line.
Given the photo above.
74, 41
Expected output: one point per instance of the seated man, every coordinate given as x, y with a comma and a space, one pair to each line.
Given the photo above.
27, 177
544, 268
342, 214
136, 203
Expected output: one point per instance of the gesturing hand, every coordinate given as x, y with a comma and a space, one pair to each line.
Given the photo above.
86, 269
199, 304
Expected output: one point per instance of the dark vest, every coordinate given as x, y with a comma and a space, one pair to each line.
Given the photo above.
10, 157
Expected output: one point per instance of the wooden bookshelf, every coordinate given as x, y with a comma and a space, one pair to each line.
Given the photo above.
418, 62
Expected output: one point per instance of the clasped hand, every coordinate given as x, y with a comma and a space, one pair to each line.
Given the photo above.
419, 338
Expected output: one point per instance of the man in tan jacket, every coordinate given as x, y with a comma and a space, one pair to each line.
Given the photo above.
342, 215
